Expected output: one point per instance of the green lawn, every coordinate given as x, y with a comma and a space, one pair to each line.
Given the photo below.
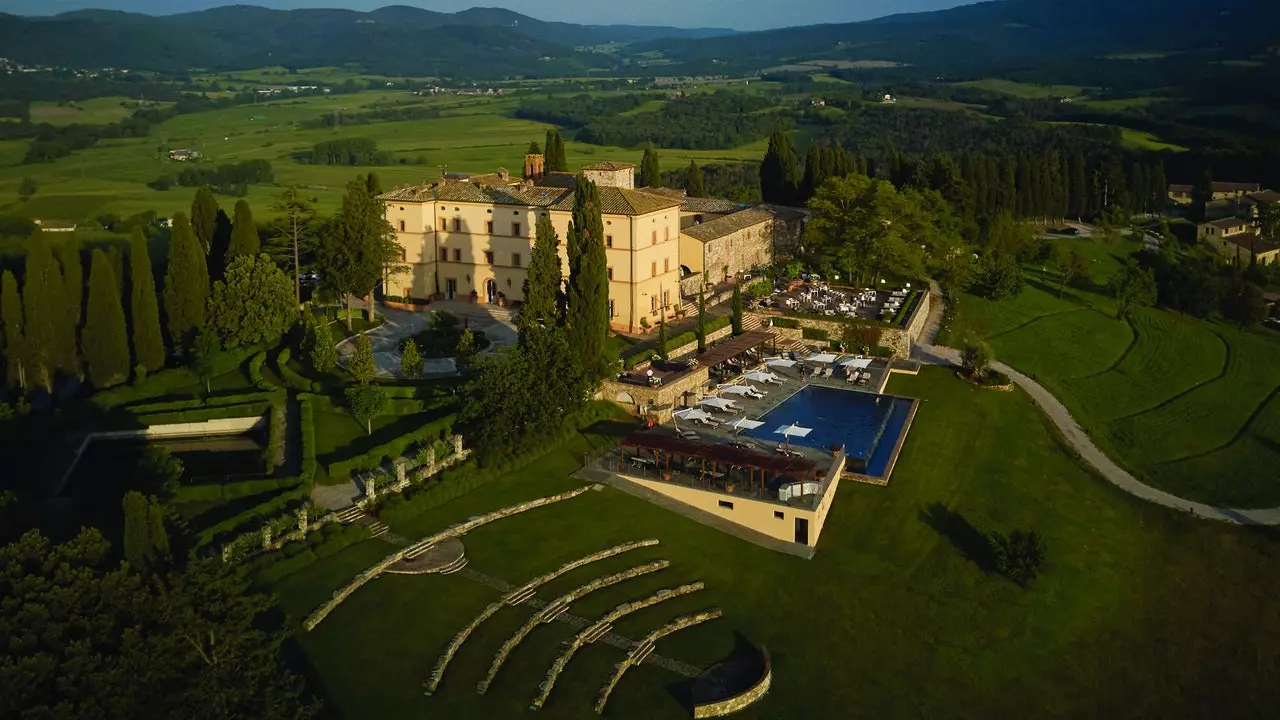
1181, 403
474, 134
1141, 612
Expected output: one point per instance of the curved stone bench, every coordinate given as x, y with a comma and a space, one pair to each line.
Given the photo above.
599, 627
437, 673
460, 529
728, 706
642, 649
557, 606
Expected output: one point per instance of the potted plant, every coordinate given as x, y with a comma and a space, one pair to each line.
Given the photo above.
475, 296
502, 299
728, 486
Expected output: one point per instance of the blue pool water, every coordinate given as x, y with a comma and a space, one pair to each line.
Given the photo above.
867, 425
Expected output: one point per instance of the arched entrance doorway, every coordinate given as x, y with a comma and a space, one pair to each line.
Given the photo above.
491, 290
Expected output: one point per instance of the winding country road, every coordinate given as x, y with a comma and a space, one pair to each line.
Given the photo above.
926, 352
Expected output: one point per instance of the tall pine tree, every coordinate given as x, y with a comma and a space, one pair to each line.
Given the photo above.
186, 284
14, 341
148, 342
244, 234
1077, 186
105, 342
204, 218
695, 185
588, 310
543, 297
68, 255
217, 257
356, 245
650, 171
43, 303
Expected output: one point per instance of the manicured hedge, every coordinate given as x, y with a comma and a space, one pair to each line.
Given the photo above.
460, 480
204, 414
905, 311
405, 406
255, 369
201, 403
391, 450
786, 323
307, 417
814, 334
231, 491
257, 514
687, 338
330, 540
290, 377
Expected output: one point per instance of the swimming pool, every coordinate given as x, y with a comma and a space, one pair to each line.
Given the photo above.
866, 425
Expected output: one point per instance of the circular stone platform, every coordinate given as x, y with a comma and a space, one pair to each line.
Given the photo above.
443, 554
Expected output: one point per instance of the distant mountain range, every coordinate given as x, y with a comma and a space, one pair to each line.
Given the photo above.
485, 43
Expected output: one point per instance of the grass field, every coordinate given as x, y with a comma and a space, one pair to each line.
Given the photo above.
1141, 611
97, 111
1029, 91
1187, 405
474, 134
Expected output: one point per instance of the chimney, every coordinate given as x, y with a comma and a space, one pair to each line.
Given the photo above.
535, 166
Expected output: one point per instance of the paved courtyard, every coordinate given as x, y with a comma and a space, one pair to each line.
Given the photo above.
397, 325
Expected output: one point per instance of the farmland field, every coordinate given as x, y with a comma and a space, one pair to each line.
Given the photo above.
886, 597
1025, 90
98, 111
473, 134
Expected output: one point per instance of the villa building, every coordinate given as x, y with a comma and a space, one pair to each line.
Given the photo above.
471, 236
1239, 241
1182, 194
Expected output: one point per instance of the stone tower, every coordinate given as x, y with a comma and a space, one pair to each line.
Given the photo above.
535, 166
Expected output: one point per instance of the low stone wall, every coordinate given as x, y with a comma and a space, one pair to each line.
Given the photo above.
635, 397
545, 616
635, 656
408, 471
460, 529
900, 340
411, 307
437, 672
734, 704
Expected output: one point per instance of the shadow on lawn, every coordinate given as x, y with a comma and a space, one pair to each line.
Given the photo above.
969, 541
728, 678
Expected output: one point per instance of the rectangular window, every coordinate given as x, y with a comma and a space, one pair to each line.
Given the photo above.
654, 241
666, 298
515, 229
457, 255
778, 514
457, 224
653, 305
401, 226
609, 272
653, 269
515, 259
444, 255
488, 226
666, 233
726, 504
444, 223
666, 265
488, 257
608, 241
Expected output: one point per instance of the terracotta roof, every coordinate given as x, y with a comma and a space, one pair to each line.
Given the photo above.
1265, 197
1222, 187
1179, 189
619, 201
557, 178
1228, 223
727, 225
609, 165
664, 192
1254, 242
710, 205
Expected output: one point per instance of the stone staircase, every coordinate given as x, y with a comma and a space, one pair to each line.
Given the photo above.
454, 566
355, 515
351, 514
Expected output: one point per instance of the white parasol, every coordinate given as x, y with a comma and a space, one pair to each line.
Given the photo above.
857, 363
822, 358
743, 424
737, 389
693, 415
717, 403
760, 376
780, 362
792, 430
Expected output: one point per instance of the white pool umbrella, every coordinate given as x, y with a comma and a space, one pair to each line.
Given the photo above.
822, 358
760, 376
717, 403
792, 430
780, 362
737, 390
857, 363
693, 415
744, 424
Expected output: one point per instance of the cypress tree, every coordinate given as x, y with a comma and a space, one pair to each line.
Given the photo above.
1159, 187
42, 301
137, 529
69, 259
562, 164
244, 233
158, 537
736, 309
186, 284
695, 185
14, 342
549, 145
217, 256
702, 322
588, 307
1077, 186
148, 342
812, 170
543, 297
650, 171
204, 218
662, 335
779, 171
371, 183
106, 345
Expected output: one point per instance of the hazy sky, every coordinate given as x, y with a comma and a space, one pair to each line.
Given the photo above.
738, 14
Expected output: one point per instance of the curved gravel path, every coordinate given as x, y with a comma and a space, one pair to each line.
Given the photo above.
926, 352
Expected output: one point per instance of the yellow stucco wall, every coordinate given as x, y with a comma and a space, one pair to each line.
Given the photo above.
753, 514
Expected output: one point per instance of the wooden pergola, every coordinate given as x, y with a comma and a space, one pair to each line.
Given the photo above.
711, 457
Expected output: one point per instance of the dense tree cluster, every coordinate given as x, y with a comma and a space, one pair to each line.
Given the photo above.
720, 120
385, 113
357, 246
227, 178
348, 151
577, 110
554, 152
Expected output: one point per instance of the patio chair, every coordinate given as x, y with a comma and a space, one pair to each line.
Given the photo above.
687, 434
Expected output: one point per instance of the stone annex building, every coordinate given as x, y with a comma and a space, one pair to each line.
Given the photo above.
471, 236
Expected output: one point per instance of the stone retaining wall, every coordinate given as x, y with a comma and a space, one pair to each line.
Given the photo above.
734, 704
460, 529
900, 340
621, 668
635, 397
